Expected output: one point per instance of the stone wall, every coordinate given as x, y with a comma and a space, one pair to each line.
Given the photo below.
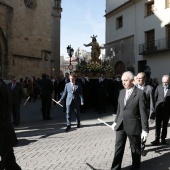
28, 33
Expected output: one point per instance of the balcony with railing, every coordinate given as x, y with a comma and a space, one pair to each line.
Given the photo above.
154, 46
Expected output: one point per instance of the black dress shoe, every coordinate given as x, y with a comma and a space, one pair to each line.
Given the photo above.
163, 142
78, 125
67, 128
155, 142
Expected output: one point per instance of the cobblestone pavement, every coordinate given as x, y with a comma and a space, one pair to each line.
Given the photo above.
43, 145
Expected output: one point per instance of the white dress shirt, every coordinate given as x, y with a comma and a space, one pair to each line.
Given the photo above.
128, 94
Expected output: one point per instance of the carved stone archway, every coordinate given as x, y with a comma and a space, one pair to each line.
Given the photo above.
119, 67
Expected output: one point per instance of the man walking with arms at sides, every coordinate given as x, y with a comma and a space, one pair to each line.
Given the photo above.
74, 98
17, 93
46, 96
148, 90
162, 110
131, 121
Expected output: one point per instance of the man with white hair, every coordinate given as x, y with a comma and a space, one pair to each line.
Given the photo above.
131, 121
162, 110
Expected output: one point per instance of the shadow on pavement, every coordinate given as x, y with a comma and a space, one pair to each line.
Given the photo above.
92, 167
23, 142
158, 148
159, 163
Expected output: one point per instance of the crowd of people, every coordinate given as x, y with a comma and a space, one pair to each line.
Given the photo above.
137, 100
138, 104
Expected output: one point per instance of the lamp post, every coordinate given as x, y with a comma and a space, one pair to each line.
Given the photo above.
78, 59
70, 52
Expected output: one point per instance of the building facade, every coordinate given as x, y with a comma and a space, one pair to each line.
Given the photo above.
26, 38
139, 33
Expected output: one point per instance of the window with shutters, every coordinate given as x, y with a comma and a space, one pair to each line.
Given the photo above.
150, 40
149, 7
119, 22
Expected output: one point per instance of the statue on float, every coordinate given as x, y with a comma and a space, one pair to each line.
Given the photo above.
95, 50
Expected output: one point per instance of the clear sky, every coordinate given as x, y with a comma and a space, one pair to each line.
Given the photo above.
80, 19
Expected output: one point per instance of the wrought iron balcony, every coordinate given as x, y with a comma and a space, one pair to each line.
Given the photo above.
154, 46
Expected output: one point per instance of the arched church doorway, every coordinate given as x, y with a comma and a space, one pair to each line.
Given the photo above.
119, 67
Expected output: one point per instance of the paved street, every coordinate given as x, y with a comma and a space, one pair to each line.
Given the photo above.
45, 146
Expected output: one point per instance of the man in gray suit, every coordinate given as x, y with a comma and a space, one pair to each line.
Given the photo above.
131, 121
74, 98
162, 110
141, 84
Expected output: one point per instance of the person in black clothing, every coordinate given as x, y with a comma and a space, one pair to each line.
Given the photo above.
117, 86
17, 93
7, 134
57, 89
46, 96
85, 90
102, 93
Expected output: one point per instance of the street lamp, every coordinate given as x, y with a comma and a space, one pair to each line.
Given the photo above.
77, 55
70, 52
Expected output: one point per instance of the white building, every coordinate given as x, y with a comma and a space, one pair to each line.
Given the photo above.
139, 33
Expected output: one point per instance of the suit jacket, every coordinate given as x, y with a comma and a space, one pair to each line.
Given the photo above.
46, 87
63, 82
17, 93
103, 87
149, 99
7, 135
85, 87
161, 100
76, 95
134, 114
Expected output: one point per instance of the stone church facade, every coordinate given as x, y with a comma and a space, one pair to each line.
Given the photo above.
29, 43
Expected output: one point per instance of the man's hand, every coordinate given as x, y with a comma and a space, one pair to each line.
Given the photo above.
144, 135
59, 101
82, 103
151, 121
113, 126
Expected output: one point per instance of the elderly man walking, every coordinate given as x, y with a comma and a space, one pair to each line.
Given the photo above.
162, 110
131, 121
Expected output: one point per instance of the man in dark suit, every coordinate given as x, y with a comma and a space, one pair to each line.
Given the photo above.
131, 121
102, 93
162, 110
141, 84
17, 93
74, 99
7, 135
46, 86
85, 90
